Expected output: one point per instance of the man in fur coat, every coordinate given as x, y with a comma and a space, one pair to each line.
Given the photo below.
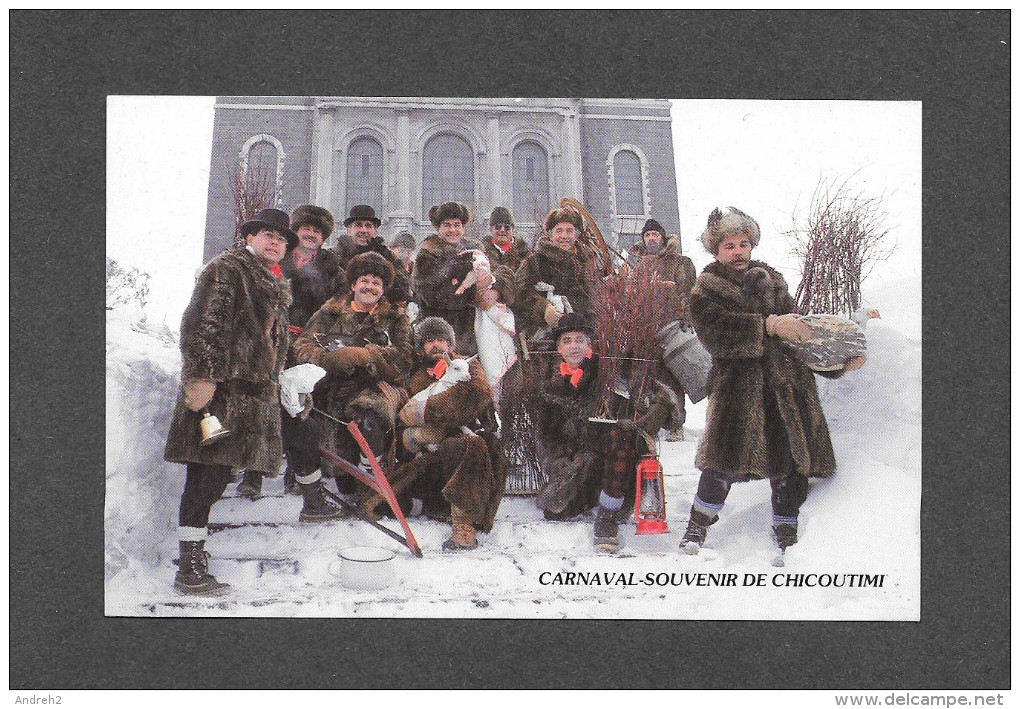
233, 347
362, 235
560, 261
459, 462
364, 344
315, 276
505, 251
590, 463
764, 416
662, 261
443, 263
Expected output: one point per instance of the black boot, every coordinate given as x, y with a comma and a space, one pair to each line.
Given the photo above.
607, 531
785, 534
251, 485
290, 483
318, 507
697, 531
193, 577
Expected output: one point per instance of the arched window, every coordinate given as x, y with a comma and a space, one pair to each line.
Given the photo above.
531, 181
448, 171
364, 173
627, 185
262, 169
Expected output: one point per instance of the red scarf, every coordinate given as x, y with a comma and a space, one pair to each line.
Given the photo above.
438, 370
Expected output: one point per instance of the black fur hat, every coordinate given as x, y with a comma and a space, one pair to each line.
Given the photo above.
724, 221
565, 214
433, 328
449, 210
370, 263
309, 214
500, 215
652, 225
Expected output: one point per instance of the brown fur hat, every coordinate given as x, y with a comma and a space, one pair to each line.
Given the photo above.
370, 263
449, 210
500, 215
724, 221
318, 217
433, 328
566, 214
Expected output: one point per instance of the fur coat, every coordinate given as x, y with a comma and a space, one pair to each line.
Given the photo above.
439, 269
467, 470
572, 273
234, 332
336, 333
504, 264
671, 267
762, 397
312, 284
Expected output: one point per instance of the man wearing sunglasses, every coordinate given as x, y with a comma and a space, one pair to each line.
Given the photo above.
505, 250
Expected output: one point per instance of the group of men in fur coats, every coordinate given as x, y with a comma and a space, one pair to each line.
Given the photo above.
764, 417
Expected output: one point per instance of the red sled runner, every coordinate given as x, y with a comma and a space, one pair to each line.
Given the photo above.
376, 479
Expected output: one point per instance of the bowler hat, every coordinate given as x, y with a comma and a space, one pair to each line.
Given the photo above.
572, 322
274, 219
360, 213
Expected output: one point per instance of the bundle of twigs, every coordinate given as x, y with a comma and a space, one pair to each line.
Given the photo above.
253, 190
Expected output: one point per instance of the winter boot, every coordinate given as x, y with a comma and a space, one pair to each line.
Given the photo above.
251, 485
697, 531
290, 483
463, 537
317, 507
785, 534
193, 577
607, 531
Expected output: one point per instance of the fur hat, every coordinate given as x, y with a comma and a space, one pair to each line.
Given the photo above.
370, 263
449, 210
652, 225
572, 322
566, 214
433, 328
403, 240
274, 219
724, 221
500, 215
318, 217
361, 213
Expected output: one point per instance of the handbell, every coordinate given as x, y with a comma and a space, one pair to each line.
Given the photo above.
212, 429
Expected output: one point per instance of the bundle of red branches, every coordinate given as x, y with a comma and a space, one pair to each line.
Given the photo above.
629, 311
253, 190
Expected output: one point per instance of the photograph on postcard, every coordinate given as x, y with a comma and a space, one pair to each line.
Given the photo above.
571, 358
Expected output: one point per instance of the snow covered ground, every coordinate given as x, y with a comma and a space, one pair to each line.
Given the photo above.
863, 521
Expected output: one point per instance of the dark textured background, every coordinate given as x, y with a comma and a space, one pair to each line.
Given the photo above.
63, 65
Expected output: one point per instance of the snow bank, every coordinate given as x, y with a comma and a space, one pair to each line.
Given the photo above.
142, 491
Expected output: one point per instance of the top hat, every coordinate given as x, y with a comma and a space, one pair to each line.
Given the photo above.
362, 212
273, 219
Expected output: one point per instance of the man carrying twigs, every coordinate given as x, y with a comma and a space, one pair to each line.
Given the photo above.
364, 344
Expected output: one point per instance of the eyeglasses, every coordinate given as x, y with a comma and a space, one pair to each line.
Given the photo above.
503, 227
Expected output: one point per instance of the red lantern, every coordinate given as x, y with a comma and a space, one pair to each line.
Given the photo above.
650, 505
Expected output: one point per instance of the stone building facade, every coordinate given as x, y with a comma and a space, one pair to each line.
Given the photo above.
402, 155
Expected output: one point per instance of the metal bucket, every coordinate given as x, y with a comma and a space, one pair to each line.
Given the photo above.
686, 358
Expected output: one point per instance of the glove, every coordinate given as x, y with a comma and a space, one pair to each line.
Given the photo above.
345, 358
788, 327
552, 315
198, 393
306, 401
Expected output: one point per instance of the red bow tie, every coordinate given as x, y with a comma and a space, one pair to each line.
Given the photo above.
575, 374
439, 370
